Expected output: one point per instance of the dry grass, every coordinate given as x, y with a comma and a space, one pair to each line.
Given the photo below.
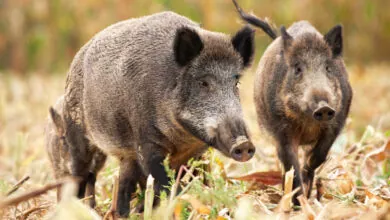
354, 183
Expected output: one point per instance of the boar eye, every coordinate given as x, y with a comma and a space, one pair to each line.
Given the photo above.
236, 76
204, 84
328, 69
297, 69
62, 140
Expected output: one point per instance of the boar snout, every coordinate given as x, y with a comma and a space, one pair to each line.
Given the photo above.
324, 112
232, 140
243, 150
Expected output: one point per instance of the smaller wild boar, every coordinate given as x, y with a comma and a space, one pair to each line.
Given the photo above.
302, 94
58, 152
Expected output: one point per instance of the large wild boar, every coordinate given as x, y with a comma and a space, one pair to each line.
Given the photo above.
148, 87
302, 94
58, 152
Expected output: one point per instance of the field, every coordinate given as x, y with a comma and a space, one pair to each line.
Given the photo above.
353, 184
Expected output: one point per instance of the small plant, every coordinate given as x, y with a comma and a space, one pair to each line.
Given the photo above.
170, 172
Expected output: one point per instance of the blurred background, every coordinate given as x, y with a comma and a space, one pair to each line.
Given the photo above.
39, 38
44, 35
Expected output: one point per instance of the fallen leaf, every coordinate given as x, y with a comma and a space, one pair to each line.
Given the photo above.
178, 209
385, 193
196, 204
373, 199
204, 210
383, 153
268, 178
345, 185
340, 181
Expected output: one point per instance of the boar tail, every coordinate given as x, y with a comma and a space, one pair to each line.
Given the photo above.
253, 20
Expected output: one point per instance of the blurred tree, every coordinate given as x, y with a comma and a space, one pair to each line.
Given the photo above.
44, 35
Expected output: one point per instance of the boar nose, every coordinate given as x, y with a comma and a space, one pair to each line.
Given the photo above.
324, 113
243, 152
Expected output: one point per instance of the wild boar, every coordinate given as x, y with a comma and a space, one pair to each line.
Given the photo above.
302, 94
148, 87
58, 152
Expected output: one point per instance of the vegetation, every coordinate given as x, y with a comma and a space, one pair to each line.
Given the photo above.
354, 182
39, 38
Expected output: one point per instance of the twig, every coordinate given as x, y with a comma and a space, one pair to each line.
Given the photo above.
18, 185
318, 204
86, 198
185, 189
27, 213
263, 206
307, 209
189, 172
31, 194
176, 184
111, 214
334, 179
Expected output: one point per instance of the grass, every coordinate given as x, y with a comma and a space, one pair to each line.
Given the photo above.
354, 182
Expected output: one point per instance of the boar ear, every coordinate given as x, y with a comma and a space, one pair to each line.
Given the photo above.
57, 120
243, 42
335, 40
287, 39
187, 45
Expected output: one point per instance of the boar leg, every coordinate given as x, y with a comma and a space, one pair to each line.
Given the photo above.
314, 158
90, 189
129, 173
151, 158
80, 154
98, 162
287, 153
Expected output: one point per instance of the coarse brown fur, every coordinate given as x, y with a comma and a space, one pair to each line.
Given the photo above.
59, 156
285, 106
302, 95
148, 87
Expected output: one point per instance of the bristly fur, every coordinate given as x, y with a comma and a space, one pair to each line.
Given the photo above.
148, 87
300, 69
59, 153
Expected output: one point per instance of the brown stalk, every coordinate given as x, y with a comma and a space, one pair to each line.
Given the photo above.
114, 205
27, 213
18, 185
29, 195
176, 184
